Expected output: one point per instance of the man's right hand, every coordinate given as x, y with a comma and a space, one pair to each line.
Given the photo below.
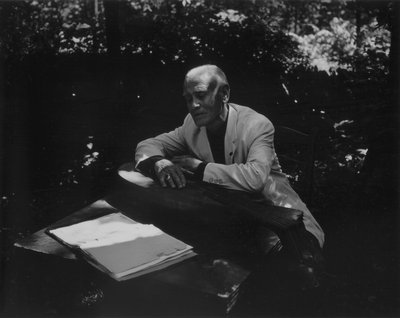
169, 174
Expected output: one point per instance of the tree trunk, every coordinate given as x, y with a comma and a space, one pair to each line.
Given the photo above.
381, 166
394, 55
358, 25
111, 13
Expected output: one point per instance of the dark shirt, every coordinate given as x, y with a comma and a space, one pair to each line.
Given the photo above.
217, 145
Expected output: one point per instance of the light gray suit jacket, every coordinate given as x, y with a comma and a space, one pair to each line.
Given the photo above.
251, 163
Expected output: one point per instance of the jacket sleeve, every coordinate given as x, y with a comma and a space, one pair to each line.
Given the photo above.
166, 145
252, 160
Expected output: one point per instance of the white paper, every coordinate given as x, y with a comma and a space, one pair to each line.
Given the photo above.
121, 245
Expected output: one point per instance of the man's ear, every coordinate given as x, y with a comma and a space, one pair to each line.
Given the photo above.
226, 93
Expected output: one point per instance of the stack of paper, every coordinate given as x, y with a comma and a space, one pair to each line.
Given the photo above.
122, 247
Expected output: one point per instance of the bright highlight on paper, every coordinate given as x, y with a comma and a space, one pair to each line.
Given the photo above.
120, 246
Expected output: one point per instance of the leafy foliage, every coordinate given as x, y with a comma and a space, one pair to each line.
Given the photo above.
206, 32
289, 42
72, 117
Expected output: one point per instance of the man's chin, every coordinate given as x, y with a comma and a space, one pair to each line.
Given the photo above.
200, 123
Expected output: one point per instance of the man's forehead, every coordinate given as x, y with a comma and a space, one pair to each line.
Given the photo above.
200, 81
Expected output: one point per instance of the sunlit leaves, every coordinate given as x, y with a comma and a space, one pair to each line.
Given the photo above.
82, 26
90, 158
51, 27
231, 15
163, 28
213, 31
336, 47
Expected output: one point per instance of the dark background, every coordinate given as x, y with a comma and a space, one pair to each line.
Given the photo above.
72, 111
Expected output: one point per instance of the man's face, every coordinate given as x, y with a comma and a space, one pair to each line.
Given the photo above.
203, 99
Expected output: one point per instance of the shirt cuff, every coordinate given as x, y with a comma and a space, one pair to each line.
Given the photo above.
199, 173
146, 166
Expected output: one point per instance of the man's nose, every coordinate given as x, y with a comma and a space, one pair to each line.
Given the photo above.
195, 104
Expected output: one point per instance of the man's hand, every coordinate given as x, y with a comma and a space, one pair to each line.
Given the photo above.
187, 162
169, 174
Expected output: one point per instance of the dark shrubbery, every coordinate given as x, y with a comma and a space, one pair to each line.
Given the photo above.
55, 58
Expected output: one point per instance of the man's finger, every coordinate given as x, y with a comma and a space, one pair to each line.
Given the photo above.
179, 178
170, 180
162, 180
182, 177
172, 177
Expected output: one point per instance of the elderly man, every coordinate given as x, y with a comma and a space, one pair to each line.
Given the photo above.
222, 143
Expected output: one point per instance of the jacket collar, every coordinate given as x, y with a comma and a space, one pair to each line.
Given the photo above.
230, 135
229, 143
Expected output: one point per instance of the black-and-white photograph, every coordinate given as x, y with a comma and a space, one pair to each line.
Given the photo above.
199, 158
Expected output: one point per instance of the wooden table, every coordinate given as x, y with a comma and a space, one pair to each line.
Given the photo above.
230, 246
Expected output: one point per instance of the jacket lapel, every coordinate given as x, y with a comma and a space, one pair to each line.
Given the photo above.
230, 136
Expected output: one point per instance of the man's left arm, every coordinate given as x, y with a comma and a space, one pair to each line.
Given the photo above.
252, 161
151, 158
